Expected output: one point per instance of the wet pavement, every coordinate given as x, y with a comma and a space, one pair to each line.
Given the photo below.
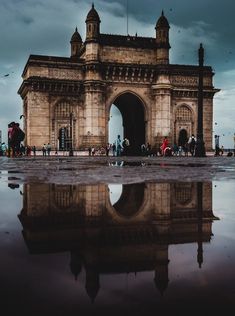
134, 235
86, 170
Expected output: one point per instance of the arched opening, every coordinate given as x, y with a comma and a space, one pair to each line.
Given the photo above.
115, 124
183, 124
133, 121
183, 137
128, 201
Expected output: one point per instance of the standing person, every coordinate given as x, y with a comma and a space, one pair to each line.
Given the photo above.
89, 150
107, 149
222, 150
175, 150
192, 144
44, 150
34, 151
149, 151
164, 145
143, 149
48, 148
119, 145
125, 145
28, 151
114, 149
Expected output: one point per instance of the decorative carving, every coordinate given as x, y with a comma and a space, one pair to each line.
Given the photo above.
188, 81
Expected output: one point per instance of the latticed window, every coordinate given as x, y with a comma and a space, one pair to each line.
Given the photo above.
63, 110
183, 113
183, 193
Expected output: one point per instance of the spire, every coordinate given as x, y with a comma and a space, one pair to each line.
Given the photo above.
162, 22
92, 15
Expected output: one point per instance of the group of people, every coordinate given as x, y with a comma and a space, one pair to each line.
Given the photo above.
117, 148
46, 149
188, 147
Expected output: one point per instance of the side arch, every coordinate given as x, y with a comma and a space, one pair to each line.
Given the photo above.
60, 120
184, 123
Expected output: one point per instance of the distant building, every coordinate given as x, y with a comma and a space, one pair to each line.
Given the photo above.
155, 98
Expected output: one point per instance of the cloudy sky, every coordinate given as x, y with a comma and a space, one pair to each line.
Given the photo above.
45, 27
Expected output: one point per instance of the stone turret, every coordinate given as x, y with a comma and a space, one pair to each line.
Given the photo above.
162, 39
92, 25
92, 36
76, 43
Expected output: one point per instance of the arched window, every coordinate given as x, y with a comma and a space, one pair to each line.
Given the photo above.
183, 114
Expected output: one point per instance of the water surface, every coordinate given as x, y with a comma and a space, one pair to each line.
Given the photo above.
134, 248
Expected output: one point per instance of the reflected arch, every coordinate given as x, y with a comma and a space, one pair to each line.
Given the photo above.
130, 200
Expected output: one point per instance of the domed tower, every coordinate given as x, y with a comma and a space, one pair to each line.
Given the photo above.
76, 43
92, 25
162, 39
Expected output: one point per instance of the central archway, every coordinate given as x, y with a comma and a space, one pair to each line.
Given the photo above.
133, 118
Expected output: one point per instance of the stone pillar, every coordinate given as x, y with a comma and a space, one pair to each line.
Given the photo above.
161, 111
37, 199
37, 119
208, 123
94, 113
160, 196
95, 199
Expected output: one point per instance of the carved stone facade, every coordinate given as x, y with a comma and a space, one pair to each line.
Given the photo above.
131, 72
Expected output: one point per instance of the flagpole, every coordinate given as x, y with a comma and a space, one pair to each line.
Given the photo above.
127, 17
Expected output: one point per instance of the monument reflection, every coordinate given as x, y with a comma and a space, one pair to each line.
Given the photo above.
130, 234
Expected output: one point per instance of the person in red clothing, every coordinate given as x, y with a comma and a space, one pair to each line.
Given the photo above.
164, 145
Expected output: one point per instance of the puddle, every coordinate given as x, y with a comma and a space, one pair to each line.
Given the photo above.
153, 241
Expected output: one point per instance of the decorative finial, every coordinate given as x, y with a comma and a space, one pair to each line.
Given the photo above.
201, 55
76, 29
93, 5
162, 13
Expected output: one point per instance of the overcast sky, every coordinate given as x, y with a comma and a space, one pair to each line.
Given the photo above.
45, 27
